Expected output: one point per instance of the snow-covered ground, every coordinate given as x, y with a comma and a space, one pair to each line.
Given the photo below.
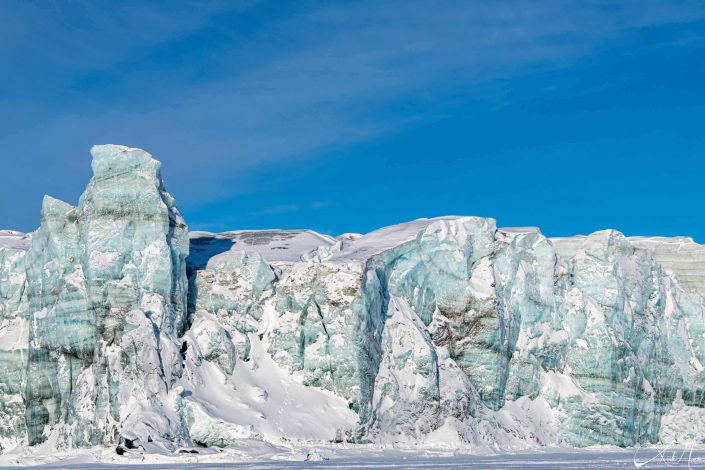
15, 240
273, 245
264, 457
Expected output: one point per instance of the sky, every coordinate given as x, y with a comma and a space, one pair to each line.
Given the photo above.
573, 116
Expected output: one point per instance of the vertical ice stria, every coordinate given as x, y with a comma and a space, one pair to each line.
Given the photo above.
107, 289
13, 336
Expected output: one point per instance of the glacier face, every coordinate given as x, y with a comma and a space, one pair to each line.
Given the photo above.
105, 287
118, 326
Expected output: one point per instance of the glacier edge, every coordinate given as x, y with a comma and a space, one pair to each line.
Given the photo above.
120, 328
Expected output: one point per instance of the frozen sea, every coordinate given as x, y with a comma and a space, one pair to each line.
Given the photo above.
643, 458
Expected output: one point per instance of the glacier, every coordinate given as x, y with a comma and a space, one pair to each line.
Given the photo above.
121, 329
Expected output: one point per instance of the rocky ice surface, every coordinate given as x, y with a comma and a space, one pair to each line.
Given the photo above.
120, 329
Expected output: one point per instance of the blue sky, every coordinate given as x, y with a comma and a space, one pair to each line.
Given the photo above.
348, 116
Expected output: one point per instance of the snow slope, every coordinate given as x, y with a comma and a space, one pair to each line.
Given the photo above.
274, 245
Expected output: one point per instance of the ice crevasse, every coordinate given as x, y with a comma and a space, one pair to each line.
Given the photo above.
119, 327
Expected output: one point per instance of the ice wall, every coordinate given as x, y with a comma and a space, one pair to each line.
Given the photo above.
106, 289
591, 330
437, 331
13, 336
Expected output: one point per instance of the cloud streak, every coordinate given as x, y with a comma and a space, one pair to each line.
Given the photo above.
217, 92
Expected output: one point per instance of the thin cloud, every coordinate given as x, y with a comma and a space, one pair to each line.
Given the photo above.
275, 210
321, 77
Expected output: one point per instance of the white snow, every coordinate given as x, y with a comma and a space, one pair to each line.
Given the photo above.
14, 334
385, 238
273, 245
263, 398
249, 455
15, 240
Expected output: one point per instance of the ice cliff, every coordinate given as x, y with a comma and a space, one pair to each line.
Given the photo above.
118, 327
93, 310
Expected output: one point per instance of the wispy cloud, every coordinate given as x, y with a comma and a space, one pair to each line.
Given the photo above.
218, 92
275, 210
289, 208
